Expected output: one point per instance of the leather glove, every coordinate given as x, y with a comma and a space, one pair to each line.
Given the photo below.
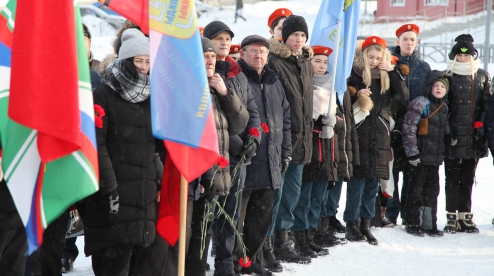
209, 191
330, 185
113, 201
284, 164
249, 150
414, 160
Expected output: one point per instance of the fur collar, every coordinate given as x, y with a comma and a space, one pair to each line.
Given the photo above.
109, 58
281, 49
358, 61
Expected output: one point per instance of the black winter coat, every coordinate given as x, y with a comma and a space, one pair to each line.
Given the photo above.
275, 145
238, 82
126, 148
296, 76
429, 148
323, 165
346, 134
231, 118
468, 102
373, 132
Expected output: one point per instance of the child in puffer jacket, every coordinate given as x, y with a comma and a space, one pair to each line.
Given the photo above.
424, 128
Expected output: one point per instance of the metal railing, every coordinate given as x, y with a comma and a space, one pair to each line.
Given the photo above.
438, 52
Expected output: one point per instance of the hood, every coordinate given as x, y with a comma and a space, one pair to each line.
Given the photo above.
283, 51
109, 58
433, 76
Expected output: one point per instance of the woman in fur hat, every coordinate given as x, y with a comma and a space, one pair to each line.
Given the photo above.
468, 100
373, 83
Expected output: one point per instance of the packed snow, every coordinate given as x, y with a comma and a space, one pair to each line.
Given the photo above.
398, 253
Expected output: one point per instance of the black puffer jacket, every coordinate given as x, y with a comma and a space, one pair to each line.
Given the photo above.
296, 76
231, 118
275, 145
238, 82
324, 161
126, 148
429, 148
373, 132
468, 102
346, 133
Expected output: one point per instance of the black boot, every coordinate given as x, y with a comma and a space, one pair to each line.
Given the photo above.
414, 230
452, 223
466, 224
433, 232
336, 224
324, 237
302, 245
284, 251
309, 234
352, 232
268, 255
255, 270
385, 222
365, 230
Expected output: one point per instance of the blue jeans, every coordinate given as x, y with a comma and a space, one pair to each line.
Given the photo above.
290, 194
332, 199
361, 198
313, 204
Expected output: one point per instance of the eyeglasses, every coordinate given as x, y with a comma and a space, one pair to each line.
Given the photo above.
255, 52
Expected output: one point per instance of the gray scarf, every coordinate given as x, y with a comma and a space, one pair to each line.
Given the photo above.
133, 87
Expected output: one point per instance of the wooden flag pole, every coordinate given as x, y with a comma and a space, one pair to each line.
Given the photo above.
184, 187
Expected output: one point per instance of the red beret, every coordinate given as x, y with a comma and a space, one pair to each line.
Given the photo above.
372, 40
406, 28
322, 50
277, 14
235, 49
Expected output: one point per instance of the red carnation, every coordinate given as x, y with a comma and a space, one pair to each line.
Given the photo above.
478, 125
265, 128
98, 122
99, 112
222, 162
245, 261
254, 132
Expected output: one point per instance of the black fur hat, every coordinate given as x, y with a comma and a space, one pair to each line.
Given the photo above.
464, 45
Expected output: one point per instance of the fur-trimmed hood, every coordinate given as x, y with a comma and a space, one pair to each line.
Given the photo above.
283, 51
109, 58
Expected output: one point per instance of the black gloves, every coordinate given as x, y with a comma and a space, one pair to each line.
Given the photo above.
414, 160
330, 185
209, 191
249, 150
284, 164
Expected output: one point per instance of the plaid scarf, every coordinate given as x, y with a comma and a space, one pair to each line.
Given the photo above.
118, 75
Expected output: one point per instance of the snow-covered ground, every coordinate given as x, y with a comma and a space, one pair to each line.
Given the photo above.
398, 253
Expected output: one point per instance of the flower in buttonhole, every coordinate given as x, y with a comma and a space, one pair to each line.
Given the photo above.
478, 124
265, 128
254, 132
245, 261
99, 112
222, 162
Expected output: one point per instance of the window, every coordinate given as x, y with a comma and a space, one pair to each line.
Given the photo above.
436, 2
399, 3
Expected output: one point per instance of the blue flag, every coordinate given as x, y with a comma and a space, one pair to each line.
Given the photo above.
325, 34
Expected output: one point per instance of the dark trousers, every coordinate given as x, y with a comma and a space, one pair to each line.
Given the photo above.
331, 200
13, 247
70, 250
308, 209
225, 232
112, 261
361, 198
460, 174
195, 263
290, 194
423, 190
254, 223
53, 244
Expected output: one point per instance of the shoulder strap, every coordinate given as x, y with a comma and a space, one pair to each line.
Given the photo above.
435, 111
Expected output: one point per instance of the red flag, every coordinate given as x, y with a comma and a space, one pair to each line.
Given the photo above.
136, 11
44, 76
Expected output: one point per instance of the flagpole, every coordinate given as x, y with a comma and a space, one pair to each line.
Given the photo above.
183, 224
335, 60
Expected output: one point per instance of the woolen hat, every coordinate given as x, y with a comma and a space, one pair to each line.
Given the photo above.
207, 45
407, 28
254, 39
134, 43
464, 45
215, 28
281, 12
294, 23
445, 81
